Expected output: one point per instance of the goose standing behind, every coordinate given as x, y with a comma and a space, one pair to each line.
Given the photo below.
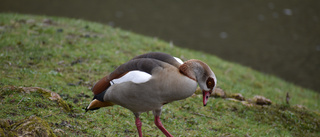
149, 81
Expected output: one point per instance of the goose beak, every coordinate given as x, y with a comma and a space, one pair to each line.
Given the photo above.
96, 104
206, 95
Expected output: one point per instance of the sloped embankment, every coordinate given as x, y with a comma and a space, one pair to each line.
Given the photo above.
48, 65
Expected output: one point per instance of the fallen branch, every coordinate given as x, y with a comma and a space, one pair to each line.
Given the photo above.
47, 116
203, 115
20, 101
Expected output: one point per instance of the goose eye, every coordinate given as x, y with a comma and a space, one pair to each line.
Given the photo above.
210, 83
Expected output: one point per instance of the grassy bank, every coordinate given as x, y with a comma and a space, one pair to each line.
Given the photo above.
68, 56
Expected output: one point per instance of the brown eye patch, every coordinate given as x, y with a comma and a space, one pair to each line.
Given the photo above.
210, 83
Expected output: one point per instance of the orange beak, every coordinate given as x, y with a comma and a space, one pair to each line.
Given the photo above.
96, 104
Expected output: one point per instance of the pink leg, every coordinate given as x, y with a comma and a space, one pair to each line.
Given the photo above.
160, 126
139, 124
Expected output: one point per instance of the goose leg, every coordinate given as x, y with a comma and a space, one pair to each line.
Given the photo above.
138, 124
158, 123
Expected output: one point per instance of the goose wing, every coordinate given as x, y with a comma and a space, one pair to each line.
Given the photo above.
162, 57
145, 65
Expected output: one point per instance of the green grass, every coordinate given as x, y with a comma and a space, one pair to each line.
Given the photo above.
68, 56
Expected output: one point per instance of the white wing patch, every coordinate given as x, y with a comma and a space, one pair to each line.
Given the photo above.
179, 60
133, 76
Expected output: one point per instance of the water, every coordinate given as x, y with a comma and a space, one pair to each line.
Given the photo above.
276, 37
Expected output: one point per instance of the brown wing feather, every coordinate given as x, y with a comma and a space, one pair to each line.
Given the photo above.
160, 56
101, 85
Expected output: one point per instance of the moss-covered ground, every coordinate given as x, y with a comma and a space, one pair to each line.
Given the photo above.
67, 56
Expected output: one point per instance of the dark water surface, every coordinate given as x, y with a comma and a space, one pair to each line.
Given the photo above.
279, 37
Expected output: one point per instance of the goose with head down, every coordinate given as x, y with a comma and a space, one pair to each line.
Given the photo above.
149, 81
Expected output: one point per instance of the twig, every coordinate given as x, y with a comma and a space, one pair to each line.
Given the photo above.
47, 116
203, 115
20, 101
288, 98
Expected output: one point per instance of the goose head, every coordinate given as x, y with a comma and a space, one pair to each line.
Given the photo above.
200, 72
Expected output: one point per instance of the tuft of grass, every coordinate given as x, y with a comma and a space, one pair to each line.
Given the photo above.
68, 56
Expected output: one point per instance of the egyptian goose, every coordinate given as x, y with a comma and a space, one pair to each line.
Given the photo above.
149, 81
